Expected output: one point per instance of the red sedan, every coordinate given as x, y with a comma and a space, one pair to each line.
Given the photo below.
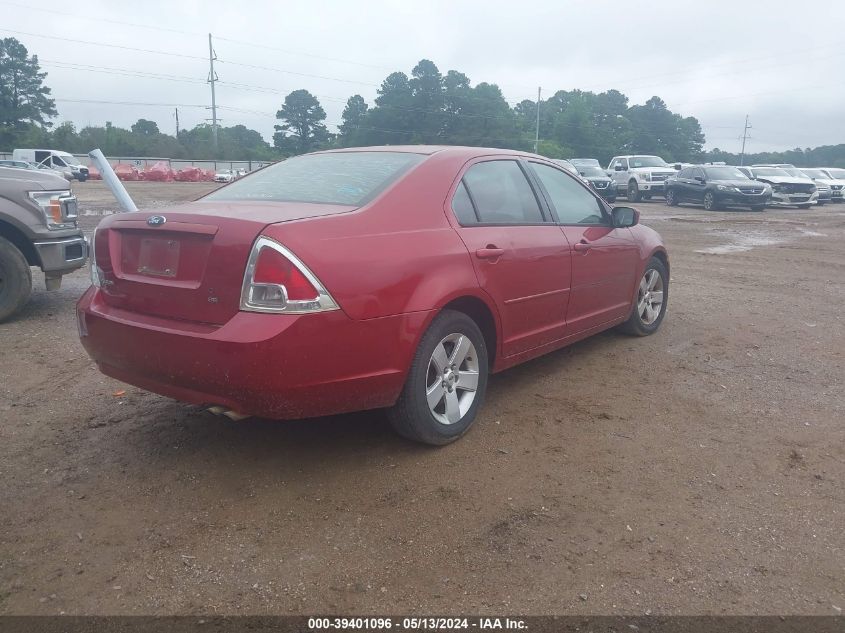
395, 277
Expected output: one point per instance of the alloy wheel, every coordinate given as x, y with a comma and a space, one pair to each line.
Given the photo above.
708, 201
452, 378
650, 296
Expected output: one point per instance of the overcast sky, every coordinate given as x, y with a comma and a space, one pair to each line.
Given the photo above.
781, 62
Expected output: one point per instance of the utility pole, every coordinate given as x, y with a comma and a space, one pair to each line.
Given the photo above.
744, 137
177, 123
537, 131
212, 77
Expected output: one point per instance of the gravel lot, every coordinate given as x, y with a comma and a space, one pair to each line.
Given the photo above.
696, 471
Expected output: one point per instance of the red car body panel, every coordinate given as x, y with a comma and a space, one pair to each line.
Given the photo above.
390, 265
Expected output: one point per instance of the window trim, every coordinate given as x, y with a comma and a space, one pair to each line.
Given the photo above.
603, 207
545, 211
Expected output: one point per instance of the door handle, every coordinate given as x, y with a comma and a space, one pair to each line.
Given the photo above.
583, 246
491, 252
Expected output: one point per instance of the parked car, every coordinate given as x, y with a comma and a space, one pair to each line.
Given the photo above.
18, 164
224, 176
340, 281
598, 179
837, 189
826, 185
787, 190
66, 164
822, 188
716, 188
584, 162
38, 227
566, 165
638, 177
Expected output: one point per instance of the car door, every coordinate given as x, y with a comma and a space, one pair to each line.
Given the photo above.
681, 185
620, 175
521, 258
697, 185
605, 259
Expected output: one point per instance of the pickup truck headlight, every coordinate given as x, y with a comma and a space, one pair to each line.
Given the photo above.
59, 207
645, 176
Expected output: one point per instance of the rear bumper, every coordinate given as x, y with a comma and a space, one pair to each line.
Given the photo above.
268, 365
62, 255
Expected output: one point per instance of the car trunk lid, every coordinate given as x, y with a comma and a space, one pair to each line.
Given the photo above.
187, 263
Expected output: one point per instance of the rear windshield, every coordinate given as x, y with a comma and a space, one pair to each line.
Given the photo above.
348, 178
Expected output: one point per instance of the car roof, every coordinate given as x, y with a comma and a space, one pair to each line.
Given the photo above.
452, 150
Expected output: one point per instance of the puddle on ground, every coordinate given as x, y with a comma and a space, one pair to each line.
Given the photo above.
742, 243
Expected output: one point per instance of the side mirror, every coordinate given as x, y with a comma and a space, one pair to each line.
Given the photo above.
699, 178
617, 167
623, 217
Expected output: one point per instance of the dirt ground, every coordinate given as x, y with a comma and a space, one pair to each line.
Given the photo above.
699, 470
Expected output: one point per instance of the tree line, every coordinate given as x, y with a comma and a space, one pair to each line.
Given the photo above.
426, 106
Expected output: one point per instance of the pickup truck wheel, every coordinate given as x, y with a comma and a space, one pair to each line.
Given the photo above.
633, 191
15, 279
446, 382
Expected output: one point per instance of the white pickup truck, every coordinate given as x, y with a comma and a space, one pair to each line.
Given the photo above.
639, 176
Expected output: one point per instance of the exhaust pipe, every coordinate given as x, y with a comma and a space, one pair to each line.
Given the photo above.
234, 416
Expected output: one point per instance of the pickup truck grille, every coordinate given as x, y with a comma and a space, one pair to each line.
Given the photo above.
660, 177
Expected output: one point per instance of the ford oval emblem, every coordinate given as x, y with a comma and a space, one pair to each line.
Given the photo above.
156, 220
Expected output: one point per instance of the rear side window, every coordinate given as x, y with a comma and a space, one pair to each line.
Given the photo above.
501, 193
462, 206
348, 178
573, 203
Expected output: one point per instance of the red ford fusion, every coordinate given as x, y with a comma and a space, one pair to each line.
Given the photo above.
381, 277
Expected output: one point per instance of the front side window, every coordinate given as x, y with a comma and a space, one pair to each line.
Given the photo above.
501, 193
573, 203
685, 173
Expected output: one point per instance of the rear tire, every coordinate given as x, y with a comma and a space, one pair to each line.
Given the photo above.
15, 279
652, 298
450, 360
633, 191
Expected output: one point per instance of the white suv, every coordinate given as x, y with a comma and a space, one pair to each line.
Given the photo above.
640, 176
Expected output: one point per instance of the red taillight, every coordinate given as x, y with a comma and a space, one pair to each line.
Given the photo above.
277, 281
274, 268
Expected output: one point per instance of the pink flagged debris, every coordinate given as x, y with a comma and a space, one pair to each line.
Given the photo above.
189, 174
127, 172
158, 172
94, 173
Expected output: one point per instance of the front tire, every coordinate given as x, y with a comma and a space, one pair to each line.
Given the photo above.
710, 201
15, 279
446, 383
671, 198
652, 298
633, 191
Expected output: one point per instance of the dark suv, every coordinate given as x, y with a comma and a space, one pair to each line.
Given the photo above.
717, 187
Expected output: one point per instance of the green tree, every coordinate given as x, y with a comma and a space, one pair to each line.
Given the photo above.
64, 137
145, 127
302, 129
390, 122
427, 101
24, 99
353, 117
